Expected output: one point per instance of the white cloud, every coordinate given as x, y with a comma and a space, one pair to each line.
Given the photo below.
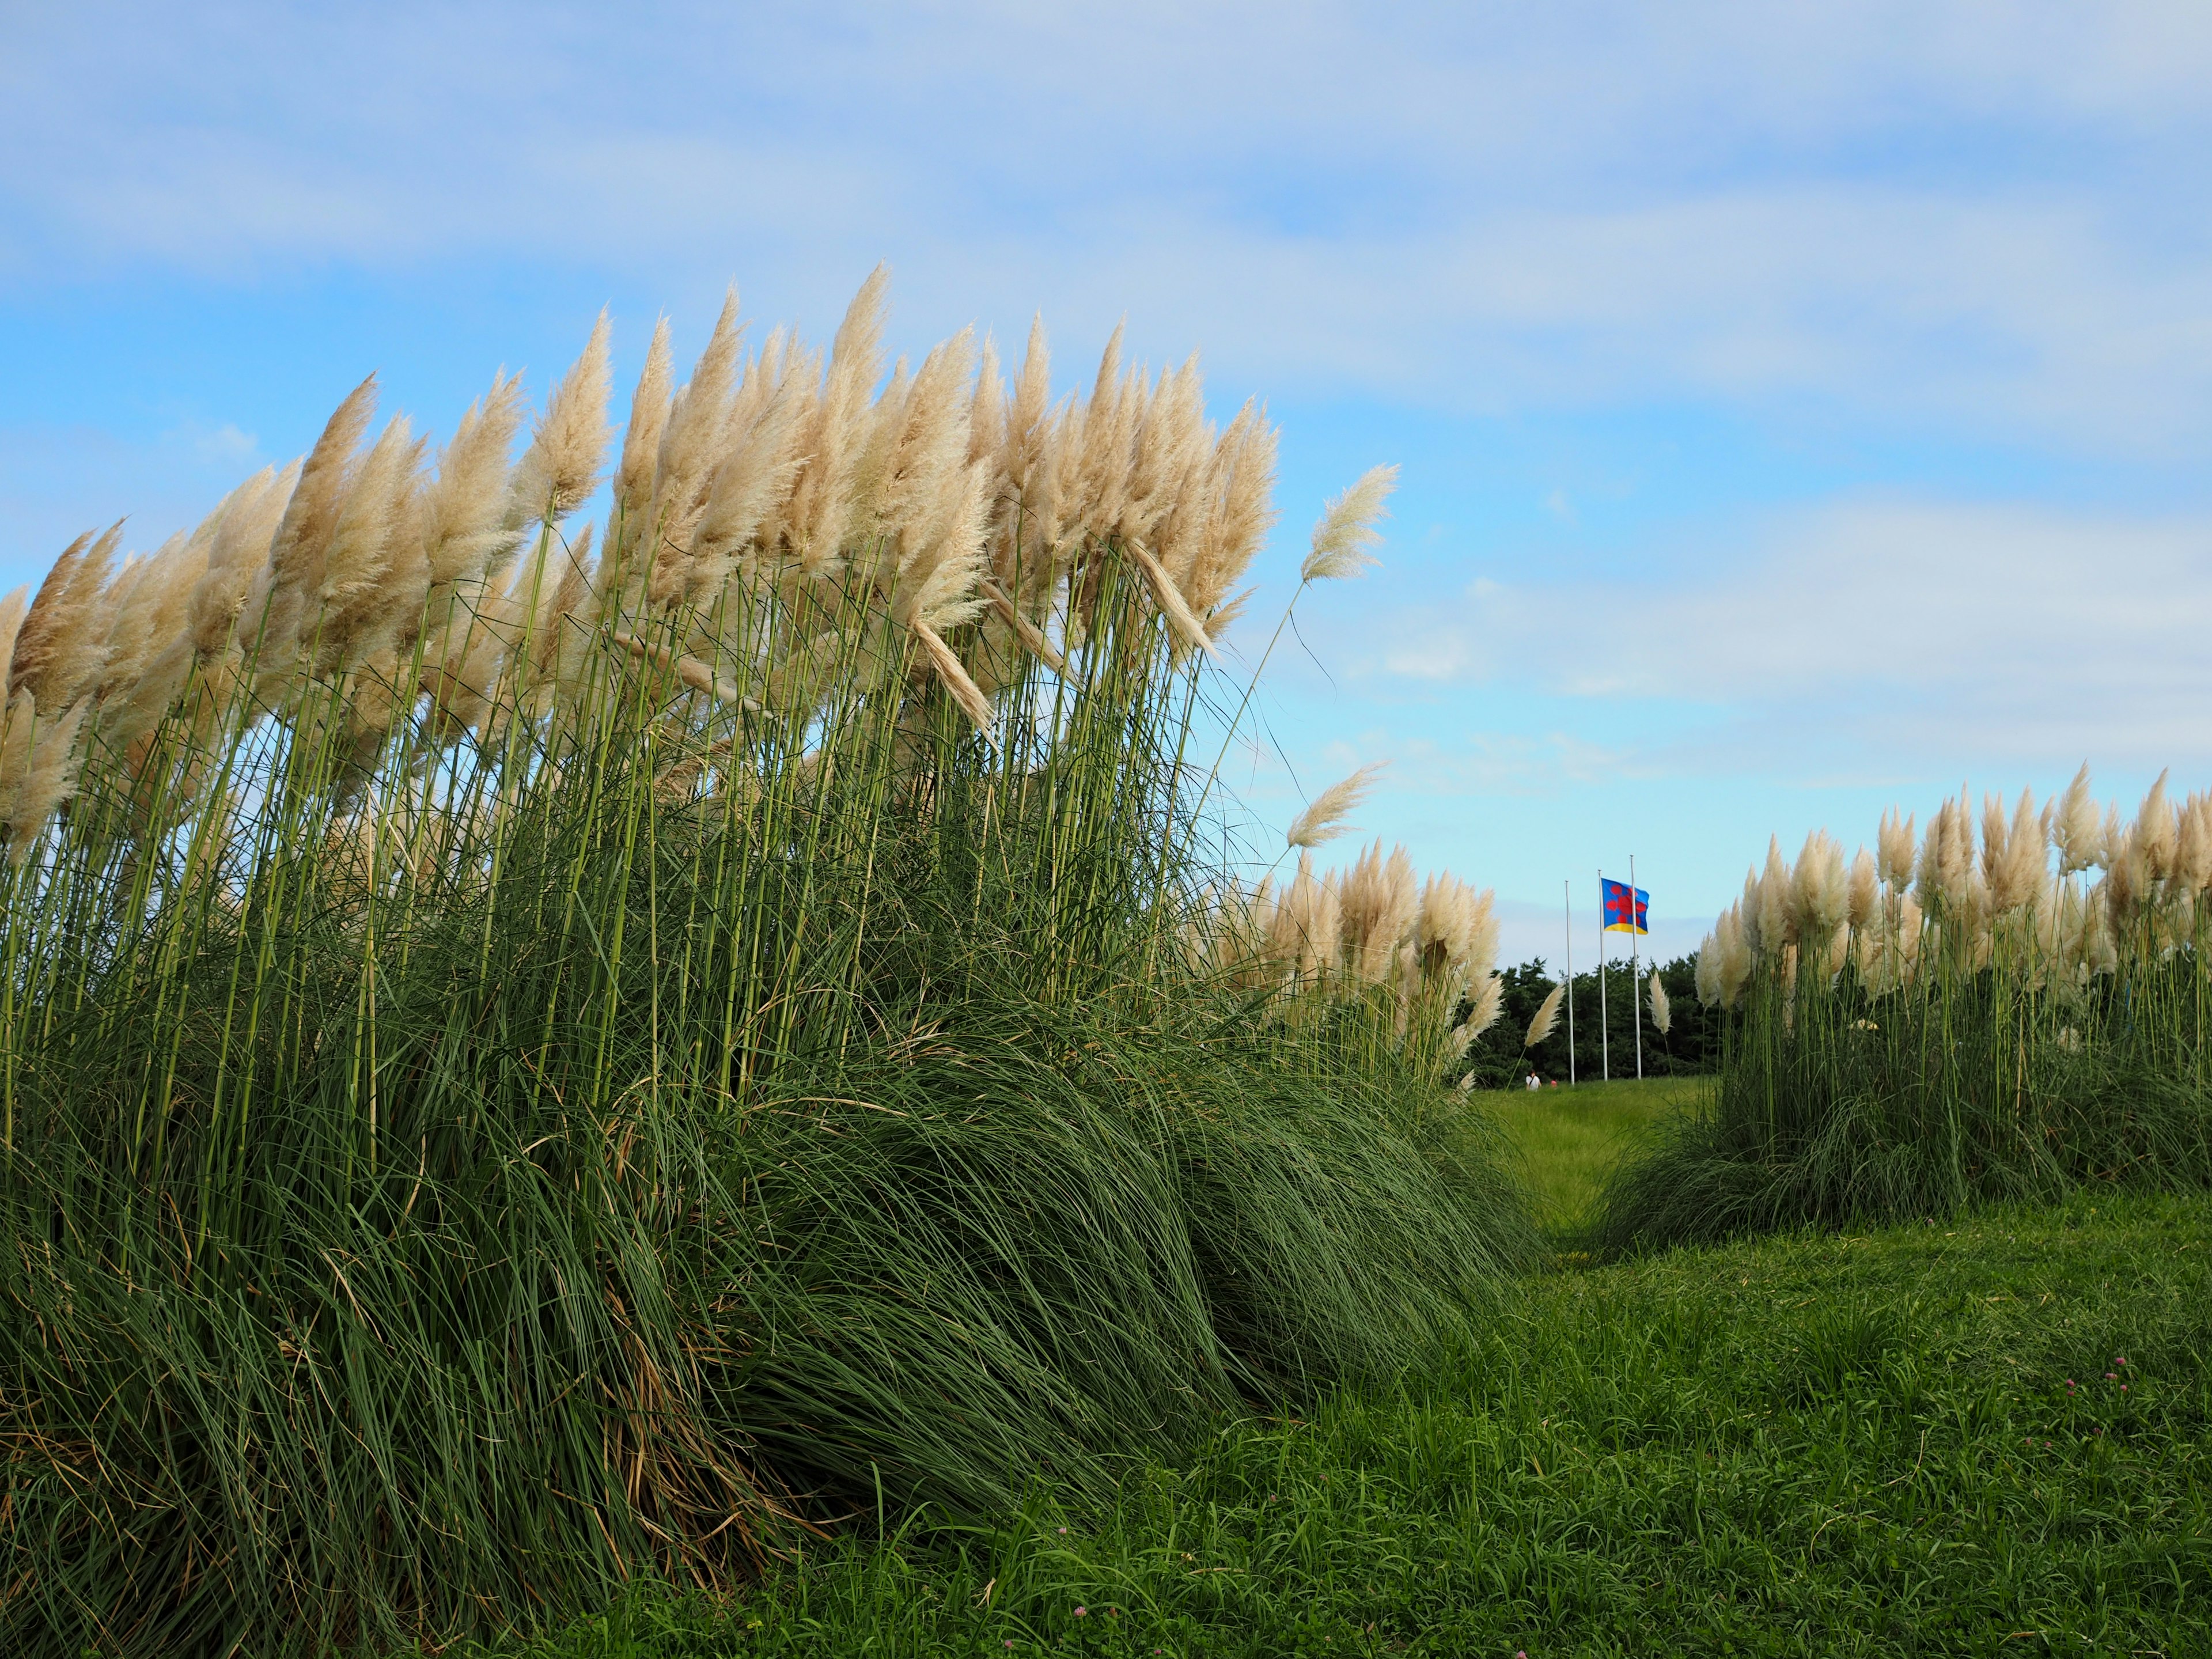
1929, 628
1980, 213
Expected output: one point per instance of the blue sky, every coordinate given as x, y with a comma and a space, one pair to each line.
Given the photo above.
1803, 409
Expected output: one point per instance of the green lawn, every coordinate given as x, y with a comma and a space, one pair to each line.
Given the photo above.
1989, 1438
1570, 1137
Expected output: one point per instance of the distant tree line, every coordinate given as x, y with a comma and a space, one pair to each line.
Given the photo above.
1691, 1044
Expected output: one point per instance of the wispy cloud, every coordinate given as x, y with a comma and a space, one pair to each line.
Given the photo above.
1936, 627
1975, 213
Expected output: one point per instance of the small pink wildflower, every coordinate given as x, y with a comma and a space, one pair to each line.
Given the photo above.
1083, 1613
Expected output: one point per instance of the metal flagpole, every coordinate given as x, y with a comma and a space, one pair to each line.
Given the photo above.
1634, 971
1604, 1056
1567, 898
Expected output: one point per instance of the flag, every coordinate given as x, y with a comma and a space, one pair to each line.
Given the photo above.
1625, 907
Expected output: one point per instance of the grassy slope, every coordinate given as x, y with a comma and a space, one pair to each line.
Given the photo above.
1571, 1138
1814, 1444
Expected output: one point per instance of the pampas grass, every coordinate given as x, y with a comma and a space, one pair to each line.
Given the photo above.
1323, 819
1970, 1019
534, 1053
1546, 1016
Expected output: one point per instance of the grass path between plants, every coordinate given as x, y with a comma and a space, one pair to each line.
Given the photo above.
1993, 1437
1570, 1138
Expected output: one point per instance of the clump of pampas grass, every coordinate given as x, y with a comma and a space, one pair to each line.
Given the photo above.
2013, 1005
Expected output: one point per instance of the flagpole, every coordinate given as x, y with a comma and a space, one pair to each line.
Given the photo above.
1567, 899
1634, 920
1604, 1054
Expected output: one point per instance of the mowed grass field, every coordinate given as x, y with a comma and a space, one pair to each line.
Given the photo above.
1570, 1138
1989, 1436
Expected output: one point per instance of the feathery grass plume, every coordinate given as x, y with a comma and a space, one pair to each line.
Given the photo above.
1947, 857
2156, 833
1323, 818
1895, 849
61, 646
1239, 486
36, 781
690, 442
2077, 827
1306, 933
464, 508
821, 498
1483, 1008
2022, 876
1663, 1015
1546, 1016
1747, 910
1379, 900
1708, 964
752, 479
1776, 901
1864, 890
1345, 536
1456, 933
1820, 891
12, 610
562, 466
355, 599
640, 457
238, 561
301, 539
2193, 853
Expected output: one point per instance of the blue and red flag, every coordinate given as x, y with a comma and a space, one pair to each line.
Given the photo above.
1625, 907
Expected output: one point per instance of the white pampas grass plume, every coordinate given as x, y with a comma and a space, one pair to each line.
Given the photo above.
562, 465
11, 621
464, 508
1379, 899
1820, 889
2077, 828
2018, 876
1305, 933
1776, 919
1456, 929
1241, 479
2156, 833
44, 772
1895, 846
821, 503
2192, 855
61, 648
1170, 599
946, 662
1346, 533
1483, 1008
1324, 818
1864, 890
1947, 856
1662, 1016
640, 449
296, 552
1546, 1016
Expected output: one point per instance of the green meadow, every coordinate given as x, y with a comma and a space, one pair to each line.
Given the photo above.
1990, 1437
